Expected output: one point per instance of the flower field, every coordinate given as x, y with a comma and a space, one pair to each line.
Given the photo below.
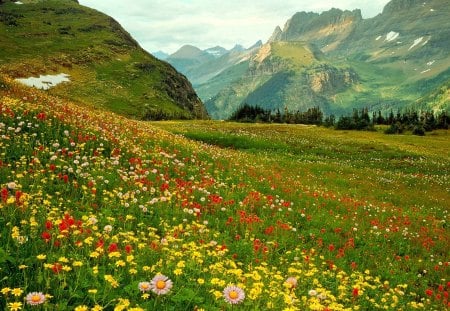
99, 212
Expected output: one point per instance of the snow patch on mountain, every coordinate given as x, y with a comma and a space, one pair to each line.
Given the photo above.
391, 36
45, 82
378, 38
416, 42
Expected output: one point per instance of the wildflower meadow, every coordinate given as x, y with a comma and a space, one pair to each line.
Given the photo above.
100, 212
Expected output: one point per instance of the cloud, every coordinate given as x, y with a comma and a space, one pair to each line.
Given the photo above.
168, 24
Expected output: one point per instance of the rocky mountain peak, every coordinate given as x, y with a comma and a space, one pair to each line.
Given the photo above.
257, 44
394, 6
276, 35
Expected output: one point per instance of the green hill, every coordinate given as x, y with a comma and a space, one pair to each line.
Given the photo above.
107, 67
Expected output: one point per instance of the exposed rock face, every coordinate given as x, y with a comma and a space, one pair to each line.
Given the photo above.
180, 89
276, 35
326, 30
328, 79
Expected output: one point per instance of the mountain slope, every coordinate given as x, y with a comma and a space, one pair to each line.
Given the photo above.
391, 61
281, 75
200, 66
107, 67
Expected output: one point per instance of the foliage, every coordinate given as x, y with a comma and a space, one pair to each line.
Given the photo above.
417, 123
248, 113
94, 207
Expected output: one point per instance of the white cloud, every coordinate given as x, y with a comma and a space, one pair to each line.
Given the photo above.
168, 24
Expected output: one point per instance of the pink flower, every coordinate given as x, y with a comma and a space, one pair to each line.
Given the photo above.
35, 298
233, 294
144, 286
160, 284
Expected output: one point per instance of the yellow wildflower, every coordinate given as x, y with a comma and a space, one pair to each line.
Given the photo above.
15, 306
17, 292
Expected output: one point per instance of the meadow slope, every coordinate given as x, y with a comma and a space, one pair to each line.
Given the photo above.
95, 209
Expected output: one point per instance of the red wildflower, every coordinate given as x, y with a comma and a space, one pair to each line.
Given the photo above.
128, 248
56, 268
113, 248
429, 292
46, 236
4, 194
18, 196
269, 230
355, 292
41, 116
48, 225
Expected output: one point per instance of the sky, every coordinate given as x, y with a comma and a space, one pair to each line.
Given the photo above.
166, 25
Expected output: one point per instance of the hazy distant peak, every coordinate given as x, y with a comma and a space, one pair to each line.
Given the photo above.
257, 44
160, 55
216, 51
237, 48
187, 51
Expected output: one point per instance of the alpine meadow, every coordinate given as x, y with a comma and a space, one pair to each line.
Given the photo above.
327, 187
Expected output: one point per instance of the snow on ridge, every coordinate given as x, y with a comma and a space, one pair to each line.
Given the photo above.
392, 35
425, 71
378, 38
416, 42
431, 62
18, 2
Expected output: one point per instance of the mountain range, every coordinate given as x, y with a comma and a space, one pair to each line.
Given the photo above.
106, 67
335, 60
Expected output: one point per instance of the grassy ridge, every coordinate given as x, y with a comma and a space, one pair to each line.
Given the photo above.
94, 205
107, 67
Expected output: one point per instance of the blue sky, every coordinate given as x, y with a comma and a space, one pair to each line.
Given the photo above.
168, 24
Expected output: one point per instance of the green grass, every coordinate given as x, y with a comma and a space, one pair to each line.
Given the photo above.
365, 164
296, 52
106, 66
92, 204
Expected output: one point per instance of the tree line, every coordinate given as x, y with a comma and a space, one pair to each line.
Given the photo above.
249, 113
417, 122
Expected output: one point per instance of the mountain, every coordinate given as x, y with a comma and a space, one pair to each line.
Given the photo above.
201, 66
160, 55
391, 61
291, 73
216, 51
105, 65
188, 57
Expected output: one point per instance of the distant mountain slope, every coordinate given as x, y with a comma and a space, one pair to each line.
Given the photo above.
200, 66
394, 59
282, 75
106, 66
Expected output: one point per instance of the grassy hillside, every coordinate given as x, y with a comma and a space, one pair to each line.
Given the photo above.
100, 212
107, 67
